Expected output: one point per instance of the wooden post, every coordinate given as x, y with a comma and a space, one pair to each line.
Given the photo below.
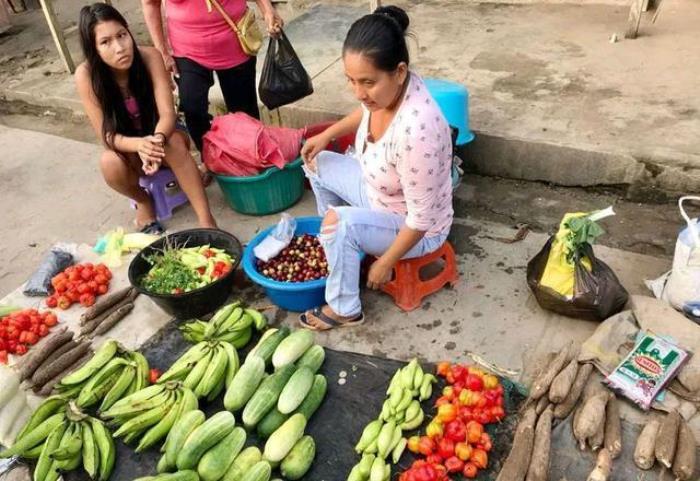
57, 34
374, 4
634, 18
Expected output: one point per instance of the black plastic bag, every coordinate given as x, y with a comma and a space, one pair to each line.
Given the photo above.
283, 79
53, 263
598, 294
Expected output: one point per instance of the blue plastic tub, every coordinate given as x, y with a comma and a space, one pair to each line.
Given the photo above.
292, 296
453, 99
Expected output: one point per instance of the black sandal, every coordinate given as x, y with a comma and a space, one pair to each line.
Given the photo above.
329, 322
153, 228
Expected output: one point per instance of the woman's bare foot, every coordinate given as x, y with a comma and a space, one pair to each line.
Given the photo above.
145, 214
325, 318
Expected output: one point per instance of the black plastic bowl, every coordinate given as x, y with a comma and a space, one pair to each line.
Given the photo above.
200, 301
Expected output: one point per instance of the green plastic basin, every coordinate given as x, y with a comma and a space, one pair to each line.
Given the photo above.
271, 191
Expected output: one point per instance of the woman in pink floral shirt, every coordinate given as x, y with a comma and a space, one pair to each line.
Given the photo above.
393, 199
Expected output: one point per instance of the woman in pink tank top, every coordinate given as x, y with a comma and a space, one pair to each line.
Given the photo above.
199, 42
126, 94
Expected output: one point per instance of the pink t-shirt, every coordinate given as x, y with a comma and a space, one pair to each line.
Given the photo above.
409, 170
204, 36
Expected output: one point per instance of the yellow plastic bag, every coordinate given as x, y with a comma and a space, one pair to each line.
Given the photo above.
113, 245
558, 274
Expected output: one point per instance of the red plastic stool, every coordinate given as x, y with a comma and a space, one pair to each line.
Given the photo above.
407, 288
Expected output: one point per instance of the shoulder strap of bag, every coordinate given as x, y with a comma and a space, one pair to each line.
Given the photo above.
226, 16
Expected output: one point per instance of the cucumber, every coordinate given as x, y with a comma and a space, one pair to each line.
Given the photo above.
295, 465
265, 398
281, 442
261, 471
313, 400
292, 347
243, 462
244, 383
271, 422
203, 438
269, 342
313, 358
217, 460
295, 390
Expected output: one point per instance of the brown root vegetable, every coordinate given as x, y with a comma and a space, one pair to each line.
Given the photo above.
516, 465
47, 388
603, 466
598, 439
667, 439
563, 409
646, 442
113, 319
539, 461
684, 461
574, 427
44, 350
45, 373
541, 405
544, 380
68, 346
592, 415
561, 385
613, 427
104, 303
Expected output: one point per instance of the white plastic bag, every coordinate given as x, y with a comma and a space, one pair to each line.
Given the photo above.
681, 286
277, 239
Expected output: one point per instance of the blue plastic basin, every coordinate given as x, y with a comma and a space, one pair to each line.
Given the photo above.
453, 99
292, 296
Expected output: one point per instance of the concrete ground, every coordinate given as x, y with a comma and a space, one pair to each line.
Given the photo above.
51, 191
552, 98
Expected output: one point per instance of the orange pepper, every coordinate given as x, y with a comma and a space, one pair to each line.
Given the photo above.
434, 429
463, 451
490, 381
447, 413
479, 458
413, 444
474, 432
443, 368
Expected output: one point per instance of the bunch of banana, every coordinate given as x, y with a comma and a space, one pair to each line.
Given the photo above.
408, 383
232, 323
206, 368
60, 437
150, 413
111, 374
401, 412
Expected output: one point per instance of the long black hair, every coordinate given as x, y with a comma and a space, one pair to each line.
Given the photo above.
116, 117
381, 37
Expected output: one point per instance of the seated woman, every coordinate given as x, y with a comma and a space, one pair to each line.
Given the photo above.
393, 200
126, 94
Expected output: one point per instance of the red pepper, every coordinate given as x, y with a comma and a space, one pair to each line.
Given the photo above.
446, 448
434, 459
474, 382
454, 465
455, 431
474, 432
459, 372
153, 375
426, 446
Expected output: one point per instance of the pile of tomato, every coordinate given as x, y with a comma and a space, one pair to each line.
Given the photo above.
455, 441
22, 329
79, 283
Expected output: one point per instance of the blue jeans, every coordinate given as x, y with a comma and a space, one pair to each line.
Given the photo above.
338, 185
